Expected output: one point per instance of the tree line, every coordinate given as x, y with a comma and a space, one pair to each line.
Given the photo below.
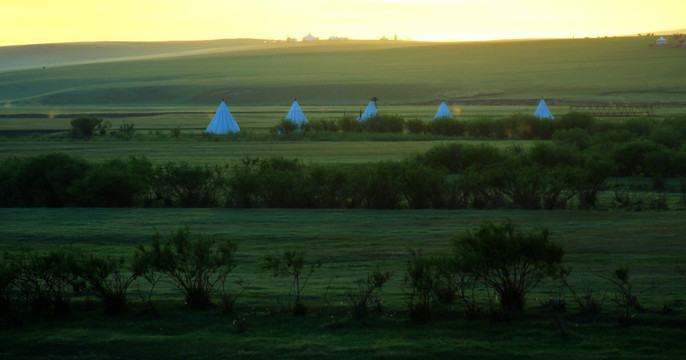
569, 171
515, 126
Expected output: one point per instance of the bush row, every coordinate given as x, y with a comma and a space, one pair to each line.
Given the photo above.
669, 132
552, 175
492, 264
200, 267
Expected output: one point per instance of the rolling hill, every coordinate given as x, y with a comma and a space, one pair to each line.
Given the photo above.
254, 73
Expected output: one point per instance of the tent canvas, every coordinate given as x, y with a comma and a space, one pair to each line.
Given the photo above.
296, 114
369, 112
542, 112
443, 111
661, 41
222, 122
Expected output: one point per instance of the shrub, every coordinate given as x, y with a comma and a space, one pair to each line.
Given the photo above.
330, 186
640, 128
508, 260
586, 299
485, 128
368, 292
194, 265
577, 137
292, 264
630, 158
126, 130
415, 126
280, 182
423, 186
520, 126
286, 126
384, 124
446, 126
83, 127
588, 179
45, 180
106, 279
379, 185
46, 279
457, 157
350, 124
188, 185
576, 120
115, 183
626, 295
7, 276
419, 285
325, 125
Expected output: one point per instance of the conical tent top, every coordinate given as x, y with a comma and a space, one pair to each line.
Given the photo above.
222, 122
296, 114
369, 112
443, 111
542, 112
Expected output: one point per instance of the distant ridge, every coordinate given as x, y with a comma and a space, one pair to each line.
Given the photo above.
20, 57
661, 32
35, 56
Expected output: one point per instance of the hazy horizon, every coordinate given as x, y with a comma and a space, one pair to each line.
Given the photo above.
30, 22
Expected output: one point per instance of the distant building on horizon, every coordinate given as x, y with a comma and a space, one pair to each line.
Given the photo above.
333, 37
310, 37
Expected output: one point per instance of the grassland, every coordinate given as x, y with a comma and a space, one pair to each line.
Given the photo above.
350, 243
348, 73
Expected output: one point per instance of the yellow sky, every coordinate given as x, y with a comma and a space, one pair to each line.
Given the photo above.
48, 21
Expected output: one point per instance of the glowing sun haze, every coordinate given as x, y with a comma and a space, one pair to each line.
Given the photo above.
42, 21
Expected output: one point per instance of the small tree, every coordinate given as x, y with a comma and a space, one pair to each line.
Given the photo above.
7, 277
142, 268
627, 296
106, 279
193, 265
508, 260
84, 126
368, 292
292, 263
419, 282
587, 301
286, 126
45, 279
126, 130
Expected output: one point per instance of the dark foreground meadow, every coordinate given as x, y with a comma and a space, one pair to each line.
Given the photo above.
351, 243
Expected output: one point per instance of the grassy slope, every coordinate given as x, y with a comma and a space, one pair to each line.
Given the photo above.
324, 73
351, 243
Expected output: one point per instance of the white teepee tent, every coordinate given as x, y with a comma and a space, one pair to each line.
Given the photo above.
443, 111
369, 112
296, 114
222, 122
542, 111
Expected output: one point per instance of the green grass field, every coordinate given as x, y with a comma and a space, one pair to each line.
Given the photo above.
350, 243
349, 73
